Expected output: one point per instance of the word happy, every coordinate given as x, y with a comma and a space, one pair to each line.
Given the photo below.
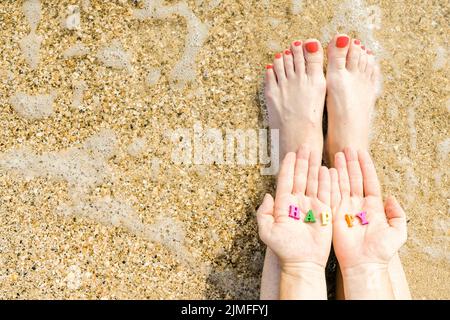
294, 213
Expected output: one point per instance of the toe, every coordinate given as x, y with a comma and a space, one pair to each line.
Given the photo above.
370, 63
354, 52
314, 57
270, 81
288, 64
375, 76
278, 67
362, 60
337, 51
299, 58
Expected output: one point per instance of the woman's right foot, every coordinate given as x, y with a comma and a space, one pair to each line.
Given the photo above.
352, 82
352, 87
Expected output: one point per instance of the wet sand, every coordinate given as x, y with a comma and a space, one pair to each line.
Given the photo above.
91, 204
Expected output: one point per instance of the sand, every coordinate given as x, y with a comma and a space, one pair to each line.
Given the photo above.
92, 204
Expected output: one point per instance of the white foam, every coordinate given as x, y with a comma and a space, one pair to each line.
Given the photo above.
72, 19
80, 87
355, 16
185, 69
274, 45
214, 4
86, 5
84, 168
443, 148
33, 107
114, 56
296, 6
153, 76
155, 168
441, 58
30, 46
32, 12
137, 146
76, 50
274, 22
73, 278
102, 145
411, 119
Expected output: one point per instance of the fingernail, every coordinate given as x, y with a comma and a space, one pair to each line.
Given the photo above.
297, 43
269, 66
312, 47
357, 42
278, 56
287, 52
362, 47
342, 41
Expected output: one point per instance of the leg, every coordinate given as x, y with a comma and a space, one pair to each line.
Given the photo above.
295, 94
352, 80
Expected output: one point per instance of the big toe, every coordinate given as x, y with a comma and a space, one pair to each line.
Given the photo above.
337, 51
313, 53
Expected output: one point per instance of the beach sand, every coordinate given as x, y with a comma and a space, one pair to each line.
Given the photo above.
91, 204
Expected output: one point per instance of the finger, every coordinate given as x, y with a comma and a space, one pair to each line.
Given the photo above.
354, 173
301, 170
324, 189
312, 183
264, 216
286, 175
341, 167
396, 217
335, 194
370, 178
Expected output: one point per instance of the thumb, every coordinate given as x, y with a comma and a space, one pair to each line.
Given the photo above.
395, 215
264, 216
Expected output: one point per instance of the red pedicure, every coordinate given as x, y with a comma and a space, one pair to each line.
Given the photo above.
278, 56
287, 52
297, 43
357, 42
362, 47
312, 47
269, 66
342, 41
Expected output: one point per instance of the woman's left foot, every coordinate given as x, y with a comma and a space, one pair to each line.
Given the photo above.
295, 94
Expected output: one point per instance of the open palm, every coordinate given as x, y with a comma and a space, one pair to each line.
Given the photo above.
302, 182
358, 190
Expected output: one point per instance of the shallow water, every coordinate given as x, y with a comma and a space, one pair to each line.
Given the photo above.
93, 204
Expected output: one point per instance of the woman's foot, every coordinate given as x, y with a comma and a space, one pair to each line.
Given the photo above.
352, 86
352, 82
295, 94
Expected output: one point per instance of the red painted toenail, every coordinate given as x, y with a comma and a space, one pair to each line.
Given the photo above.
362, 47
312, 47
269, 66
278, 56
287, 52
342, 41
297, 43
357, 42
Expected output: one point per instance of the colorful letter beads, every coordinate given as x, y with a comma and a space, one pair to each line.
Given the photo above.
294, 212
310, 217
349, 218
326, 217
362, 216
